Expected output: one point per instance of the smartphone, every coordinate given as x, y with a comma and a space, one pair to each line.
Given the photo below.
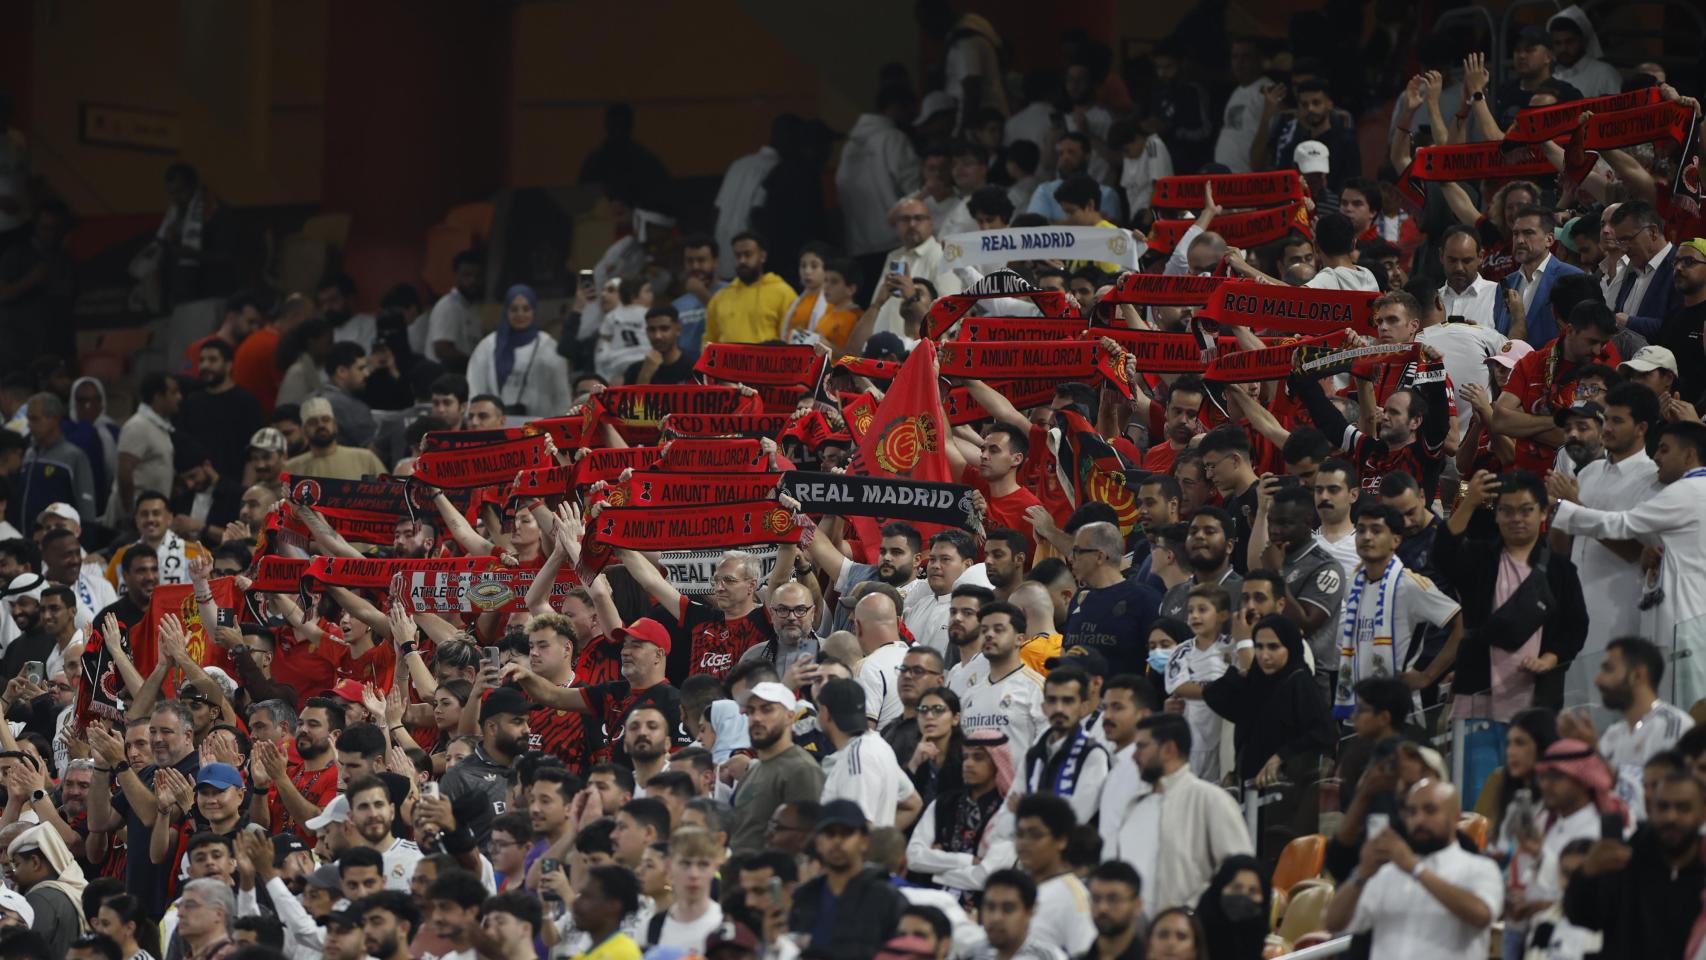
550, 865
775, 889
585, 279
899, 268
492, 658
35, 671
1377, 824
1611, 826
430, 790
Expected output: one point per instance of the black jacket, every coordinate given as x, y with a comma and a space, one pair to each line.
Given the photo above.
1473, 566
1642, 910
866, 914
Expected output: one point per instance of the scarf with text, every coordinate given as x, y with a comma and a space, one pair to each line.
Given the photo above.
642, 407
1163, 290
1613, 131
948, 310
542, 482
1252, 228
997, 248
1458, 162
1539, 124
753, 364
355, 526
1268, 363
700, 526
706, 426
274, 574
492, 463
1367, 646
375, 574
607, 463
1285, 309
442, 440
500, 590
1029, 329
889, 498
700, 456
1158, 351
1317, 361
657, 488
1231, 190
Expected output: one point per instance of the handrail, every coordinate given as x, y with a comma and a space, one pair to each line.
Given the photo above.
1331, 948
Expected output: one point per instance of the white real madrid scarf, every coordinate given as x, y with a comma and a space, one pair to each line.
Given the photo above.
1366, 646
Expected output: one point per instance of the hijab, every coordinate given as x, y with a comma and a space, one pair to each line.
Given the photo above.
510, 339
104, 427
1243, 938
1291, 636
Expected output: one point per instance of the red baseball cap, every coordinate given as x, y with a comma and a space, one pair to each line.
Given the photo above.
644, 630
348, 690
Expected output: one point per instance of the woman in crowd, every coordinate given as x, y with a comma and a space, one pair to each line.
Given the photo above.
936, 763
1165, 633
518, 362
447, 704
1234, 910
1176, 934
121, 918
1530, 733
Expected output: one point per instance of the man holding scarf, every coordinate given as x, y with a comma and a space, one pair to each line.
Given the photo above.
519, 362
1383, 605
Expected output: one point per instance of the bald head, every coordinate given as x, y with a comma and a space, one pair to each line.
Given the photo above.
1033, 598
876, 621
1431, 810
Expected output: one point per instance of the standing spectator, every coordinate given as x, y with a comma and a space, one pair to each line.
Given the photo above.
221, 414
1241, 120
1178, 109
1175, 835
519, 361
1580, 60
145, 447
1044, 829
927, 609
863, 768
1068, 762
1532, 61
786, 775
1144, 159
346, 374
1127, 700
878, 167
750, 309
620, 324
1009, 695
1428, 898
742, 189
937, 193
325, 457
1681, 330
135, 805
1628, 684
1277, 136
1466, 293
255, 367
1023, 158
621, 164
919, 257
1643, 895
850, 908
1644, 292
54, 469
450, 332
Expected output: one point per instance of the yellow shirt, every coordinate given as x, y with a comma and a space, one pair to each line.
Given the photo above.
1111, 269
618, 946
1039, 650
748, 313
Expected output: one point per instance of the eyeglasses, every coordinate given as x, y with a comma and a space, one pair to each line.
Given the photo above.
792, 611
1084, 552
730, 581
933, 710
917, 671
1689, 262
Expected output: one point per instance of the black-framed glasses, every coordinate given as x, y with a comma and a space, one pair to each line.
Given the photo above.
917, 671
801, 611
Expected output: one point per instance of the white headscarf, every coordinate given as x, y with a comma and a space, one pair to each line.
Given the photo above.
105, 426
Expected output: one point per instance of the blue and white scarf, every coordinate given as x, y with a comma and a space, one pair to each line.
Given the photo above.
1372, 652
1065, 778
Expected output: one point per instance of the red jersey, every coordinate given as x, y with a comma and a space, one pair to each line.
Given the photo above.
702, 640
599, 662
317, 786
1159, 458
311, 672
1005, 511
1537, 383
377, 666
563, 734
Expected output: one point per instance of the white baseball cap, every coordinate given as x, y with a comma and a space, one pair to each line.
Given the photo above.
13, 902
336, 812
1650, 358
1311, 156
936, 101
1510, 353
773, 692
63, 510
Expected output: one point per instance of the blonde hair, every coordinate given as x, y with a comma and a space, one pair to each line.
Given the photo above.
554, 622
692, 843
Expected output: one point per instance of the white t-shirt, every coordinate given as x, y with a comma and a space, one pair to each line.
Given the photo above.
621, 341
1628, 749
1238, 126
964, 675
1465, 348
1012, 703
926, 615
1191, 665
1410, 923
400, 862
690, 936
867, 773
1062, 918
879, 674
1344, 278
453, 318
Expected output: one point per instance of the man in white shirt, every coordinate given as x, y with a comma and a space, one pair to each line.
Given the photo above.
1572, 779
1009, 697
877, 626
1464, 347
1610, 571
145, 448
1243, 109
952, 553
452, 329
1425, 899
1044, 829
742, 190
1466, 293
1629, 674
864, 768
878, 166
921, 254
371, 815
1127, 700
1068, 762
946, 205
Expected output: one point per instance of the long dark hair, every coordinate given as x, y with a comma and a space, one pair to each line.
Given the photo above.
1541, 725
129, 910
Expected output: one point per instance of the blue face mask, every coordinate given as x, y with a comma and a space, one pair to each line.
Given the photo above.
1158, 660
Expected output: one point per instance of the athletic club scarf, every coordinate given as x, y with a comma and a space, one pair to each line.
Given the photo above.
707, 425
1028, 329
890, 498
1268, 363
502, 590
701, 526
274, 574
1539, 124
946, 311
607, 463
985, 248
1367, 648
701, 456
1162, 290
656, 488
1231, 190
753, 364
1251, 228
1272, 306
491, 463
961, 409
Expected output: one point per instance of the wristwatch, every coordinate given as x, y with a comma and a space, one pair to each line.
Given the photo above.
1478, 96
38, 796
1417, 870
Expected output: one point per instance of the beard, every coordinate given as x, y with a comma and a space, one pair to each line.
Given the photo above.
1617, 698
764, 740
321, 439
1580, 452
1150, 775
386, 947
27, 622
309, 750
896, 576
646, 751
1430, 845
510, 746
1206, 562
375, 830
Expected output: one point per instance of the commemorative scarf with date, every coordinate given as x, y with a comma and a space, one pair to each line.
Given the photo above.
480, 466
1318, 361
660, 488
1231, 190
1252, 228
382, 496
439, 440
499, 590
1268, 363
1163, 290
1539, 124
1286, 309
890, 498
704, 526
754, 364
947, 311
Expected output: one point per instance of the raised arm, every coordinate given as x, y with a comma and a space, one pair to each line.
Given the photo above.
357, 606
651, 580
328, 540
459, 529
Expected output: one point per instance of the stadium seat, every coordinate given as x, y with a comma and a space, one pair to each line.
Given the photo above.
1475, 827
1301, 860
1305, 913
112, 357
443, 243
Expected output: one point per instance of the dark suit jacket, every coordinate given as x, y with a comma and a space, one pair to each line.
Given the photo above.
1646, 317
1541, 327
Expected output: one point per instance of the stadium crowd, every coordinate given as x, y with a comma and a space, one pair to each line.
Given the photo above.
1263, 544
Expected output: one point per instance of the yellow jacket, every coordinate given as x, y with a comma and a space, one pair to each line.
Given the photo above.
748, 313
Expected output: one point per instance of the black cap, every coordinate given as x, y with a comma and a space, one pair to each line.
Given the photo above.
504, 700
1586, 408
285, 844
1082, 657
347, 917
1533, 35
884, 343
844, 701
841, 813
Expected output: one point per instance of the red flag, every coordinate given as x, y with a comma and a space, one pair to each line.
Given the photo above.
908, 435
1091, 468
